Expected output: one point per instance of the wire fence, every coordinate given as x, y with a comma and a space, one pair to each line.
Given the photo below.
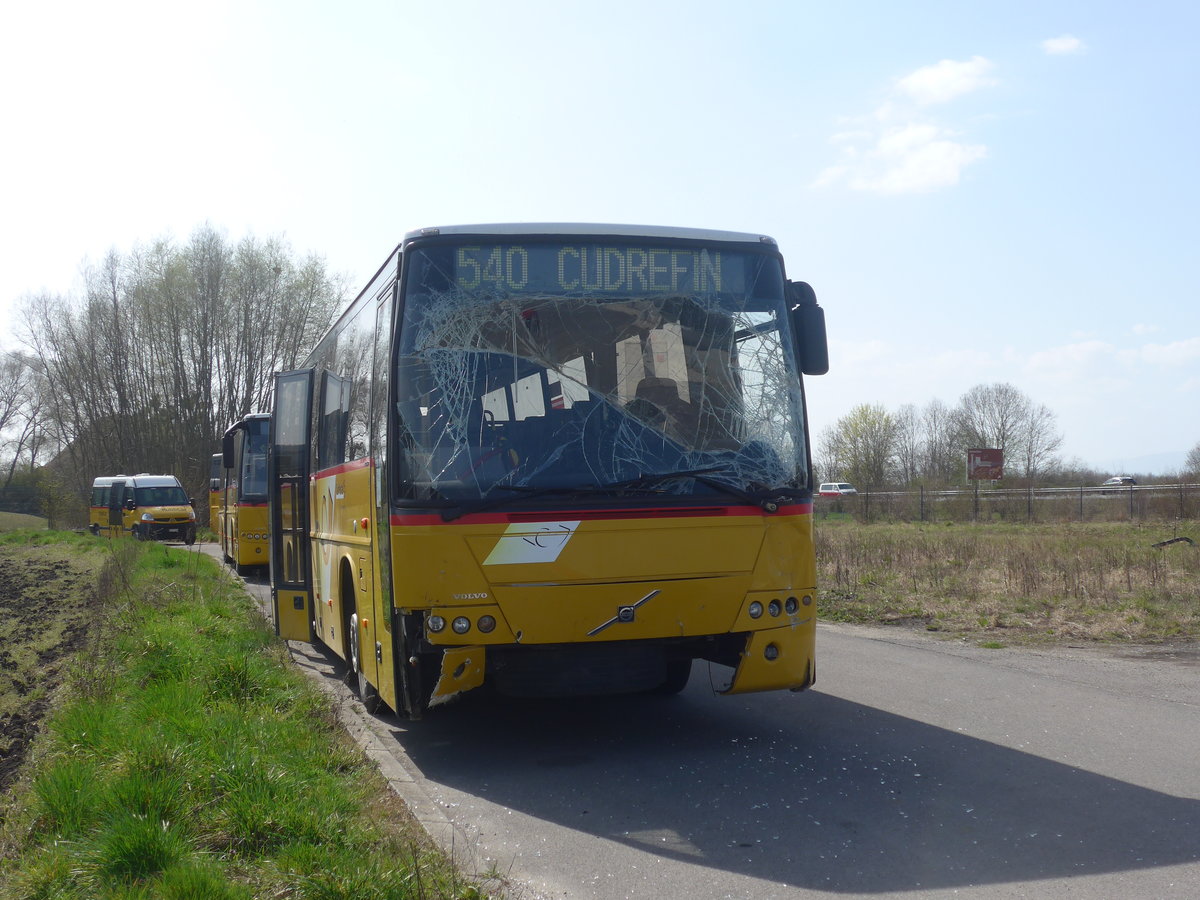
1151, 502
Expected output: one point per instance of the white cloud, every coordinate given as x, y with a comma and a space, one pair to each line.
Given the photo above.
910, 159
1063, 46
898, 149
946, 80
1176, 353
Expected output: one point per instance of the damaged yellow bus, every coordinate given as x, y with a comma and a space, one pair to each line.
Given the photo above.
554, 460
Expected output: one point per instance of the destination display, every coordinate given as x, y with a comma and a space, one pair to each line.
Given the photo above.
600, 269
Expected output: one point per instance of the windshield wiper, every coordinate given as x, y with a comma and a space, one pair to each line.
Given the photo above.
770, 504
650, 478
644, 483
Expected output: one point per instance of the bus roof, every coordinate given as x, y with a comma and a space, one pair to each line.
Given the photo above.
244, 420
579, 228
142, 480
154, 480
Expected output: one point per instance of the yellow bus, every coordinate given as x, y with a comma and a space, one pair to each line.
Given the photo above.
554, 460
148, 507
242, 513
216, 491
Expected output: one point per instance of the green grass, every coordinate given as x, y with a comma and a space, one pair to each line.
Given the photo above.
189, 759
1028, 583
11, 521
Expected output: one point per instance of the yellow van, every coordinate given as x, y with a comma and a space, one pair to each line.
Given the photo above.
149, 507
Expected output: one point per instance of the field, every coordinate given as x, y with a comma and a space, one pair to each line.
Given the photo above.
46, 596
1015, 583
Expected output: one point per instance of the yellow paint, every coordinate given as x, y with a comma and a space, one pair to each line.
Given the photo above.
758, 673
462, 670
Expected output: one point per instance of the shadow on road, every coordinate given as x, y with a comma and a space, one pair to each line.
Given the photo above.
840, 797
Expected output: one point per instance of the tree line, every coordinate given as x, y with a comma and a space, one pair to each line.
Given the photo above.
874, 447
166, 347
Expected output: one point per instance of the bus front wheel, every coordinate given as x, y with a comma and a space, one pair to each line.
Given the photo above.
678, 673
356, 678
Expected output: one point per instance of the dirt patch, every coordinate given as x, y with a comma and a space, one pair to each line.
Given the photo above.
48, 596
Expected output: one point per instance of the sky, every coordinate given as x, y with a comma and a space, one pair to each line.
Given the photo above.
978, 193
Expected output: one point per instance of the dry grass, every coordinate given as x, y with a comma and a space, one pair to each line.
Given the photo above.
1094, 582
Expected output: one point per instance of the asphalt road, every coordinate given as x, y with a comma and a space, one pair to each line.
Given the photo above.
916, 767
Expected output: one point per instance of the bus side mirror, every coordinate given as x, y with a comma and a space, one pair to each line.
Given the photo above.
131, 504
227, 451
192, 502
808, 329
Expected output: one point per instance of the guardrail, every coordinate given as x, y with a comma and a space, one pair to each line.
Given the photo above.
1081, 504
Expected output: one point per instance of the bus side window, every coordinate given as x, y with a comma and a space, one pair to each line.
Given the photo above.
331, 428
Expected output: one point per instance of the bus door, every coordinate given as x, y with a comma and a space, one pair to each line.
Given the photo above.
288, 466
116, 505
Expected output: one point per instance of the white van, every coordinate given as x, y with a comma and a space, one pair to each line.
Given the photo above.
836, 489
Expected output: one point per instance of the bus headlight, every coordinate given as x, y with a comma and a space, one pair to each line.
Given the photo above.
435, 624
461, 625
756, 610
147, 517
487, 624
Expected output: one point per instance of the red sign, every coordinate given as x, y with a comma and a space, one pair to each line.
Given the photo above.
985, 464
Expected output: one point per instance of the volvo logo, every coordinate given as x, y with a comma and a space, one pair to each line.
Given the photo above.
624, 613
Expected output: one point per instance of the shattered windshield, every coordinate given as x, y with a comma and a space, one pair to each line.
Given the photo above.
567, 365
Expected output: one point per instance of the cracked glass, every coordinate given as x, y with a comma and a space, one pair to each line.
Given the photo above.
569, 365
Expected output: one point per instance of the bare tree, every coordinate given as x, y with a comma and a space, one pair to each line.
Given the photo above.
909, 448
943, 458
169, 345
994, 415
1000, 415
1192, 463
1041, 441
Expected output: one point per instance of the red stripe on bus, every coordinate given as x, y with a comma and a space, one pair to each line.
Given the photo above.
344, 467
795, 509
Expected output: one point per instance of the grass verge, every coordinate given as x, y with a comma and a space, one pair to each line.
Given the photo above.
1015, 583
11, 521
186, 758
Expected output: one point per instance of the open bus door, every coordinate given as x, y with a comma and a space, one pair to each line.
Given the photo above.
116, 507
288, 465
